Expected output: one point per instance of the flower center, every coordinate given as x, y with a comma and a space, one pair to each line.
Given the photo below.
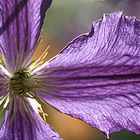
20, 83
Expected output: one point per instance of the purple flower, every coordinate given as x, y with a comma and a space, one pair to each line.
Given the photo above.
95, 78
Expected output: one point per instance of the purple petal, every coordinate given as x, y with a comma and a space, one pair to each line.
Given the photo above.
19, 131
20, 25
100, 81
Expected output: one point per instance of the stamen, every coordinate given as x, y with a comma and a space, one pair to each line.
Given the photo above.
38, 108
43, 56
43, 114
39, 67
39, 63
5, 71
2, 67
4, 102
21, 82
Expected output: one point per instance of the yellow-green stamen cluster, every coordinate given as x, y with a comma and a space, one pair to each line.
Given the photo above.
20, 82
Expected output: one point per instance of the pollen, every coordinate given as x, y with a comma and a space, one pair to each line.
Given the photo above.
20, 83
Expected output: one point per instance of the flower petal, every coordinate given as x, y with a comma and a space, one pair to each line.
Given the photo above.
19, 131
100, 79
113, 40
20, 25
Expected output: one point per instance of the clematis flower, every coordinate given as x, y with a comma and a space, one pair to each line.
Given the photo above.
94, 79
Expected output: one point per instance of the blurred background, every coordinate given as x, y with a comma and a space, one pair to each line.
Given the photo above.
64, 21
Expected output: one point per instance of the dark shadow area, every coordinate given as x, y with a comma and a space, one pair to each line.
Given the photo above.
124, 135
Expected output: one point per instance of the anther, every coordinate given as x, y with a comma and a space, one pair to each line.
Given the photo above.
19, 83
